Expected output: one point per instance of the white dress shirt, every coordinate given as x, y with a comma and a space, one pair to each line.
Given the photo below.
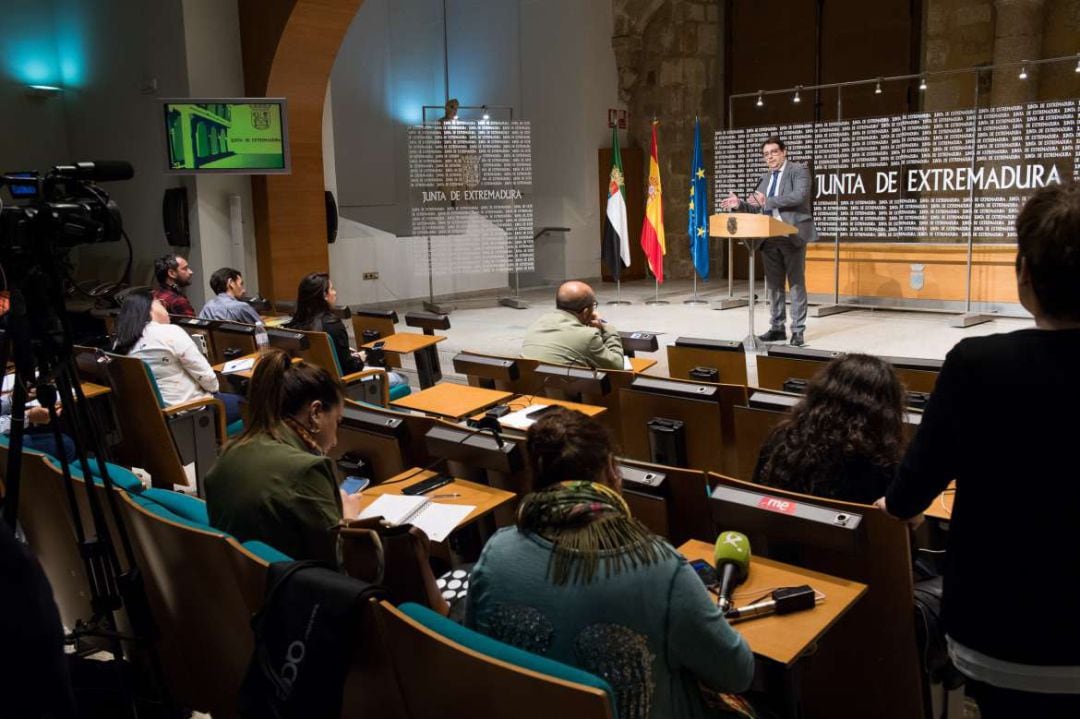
181, 370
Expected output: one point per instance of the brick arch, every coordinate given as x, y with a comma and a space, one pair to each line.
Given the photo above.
289, 48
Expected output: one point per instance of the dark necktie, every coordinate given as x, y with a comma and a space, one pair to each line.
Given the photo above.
774, 182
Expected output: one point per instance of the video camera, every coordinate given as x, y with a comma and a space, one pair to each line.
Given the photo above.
65, 207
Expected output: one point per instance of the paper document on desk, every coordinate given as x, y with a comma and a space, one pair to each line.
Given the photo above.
521, 419
437, 520
626, 363
238, 365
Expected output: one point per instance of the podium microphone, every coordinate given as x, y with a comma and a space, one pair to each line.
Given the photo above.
732, 557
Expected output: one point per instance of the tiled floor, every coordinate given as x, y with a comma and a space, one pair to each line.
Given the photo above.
483, 325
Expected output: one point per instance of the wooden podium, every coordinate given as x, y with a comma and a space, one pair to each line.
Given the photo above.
751, 229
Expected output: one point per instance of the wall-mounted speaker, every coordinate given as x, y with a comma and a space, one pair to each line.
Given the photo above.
331, 218
174, 216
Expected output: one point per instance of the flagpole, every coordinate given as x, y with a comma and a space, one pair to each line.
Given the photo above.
694, 300
618, 295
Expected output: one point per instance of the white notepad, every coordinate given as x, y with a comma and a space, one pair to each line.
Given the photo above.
238, 365
521, 419
437, 520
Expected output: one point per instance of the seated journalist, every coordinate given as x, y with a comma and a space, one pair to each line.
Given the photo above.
581, 581
274, 482
574, 334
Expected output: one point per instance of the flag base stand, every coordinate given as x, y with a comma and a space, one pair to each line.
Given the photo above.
695, 300
730, 303
618, 296
656, 300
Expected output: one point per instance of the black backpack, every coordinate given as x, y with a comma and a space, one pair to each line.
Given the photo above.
305, 636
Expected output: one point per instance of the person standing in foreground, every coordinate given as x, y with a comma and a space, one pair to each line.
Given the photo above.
574, 333
784, 192
1012, 583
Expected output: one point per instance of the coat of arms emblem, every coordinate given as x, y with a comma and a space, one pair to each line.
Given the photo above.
260, 117
732, 225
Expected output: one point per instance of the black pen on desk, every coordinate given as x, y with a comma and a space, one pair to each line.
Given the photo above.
445, 496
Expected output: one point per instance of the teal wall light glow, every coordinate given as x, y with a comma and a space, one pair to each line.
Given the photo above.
33, 51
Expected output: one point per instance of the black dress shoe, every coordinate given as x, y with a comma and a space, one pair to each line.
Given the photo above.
773, 336
797, 339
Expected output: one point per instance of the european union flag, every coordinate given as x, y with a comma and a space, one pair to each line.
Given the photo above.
697, 226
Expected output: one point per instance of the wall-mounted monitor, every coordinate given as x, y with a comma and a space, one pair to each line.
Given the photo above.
226, 135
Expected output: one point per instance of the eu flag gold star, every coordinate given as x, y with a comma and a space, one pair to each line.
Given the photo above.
701, 232
701, 172
691, 191
691, 204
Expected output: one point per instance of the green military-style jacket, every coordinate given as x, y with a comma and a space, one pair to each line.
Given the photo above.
560, 337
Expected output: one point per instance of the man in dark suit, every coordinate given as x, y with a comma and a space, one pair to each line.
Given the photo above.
784, 192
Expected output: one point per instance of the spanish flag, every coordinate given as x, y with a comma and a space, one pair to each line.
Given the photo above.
652, 230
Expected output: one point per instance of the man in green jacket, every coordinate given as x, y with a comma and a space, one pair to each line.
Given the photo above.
574, 334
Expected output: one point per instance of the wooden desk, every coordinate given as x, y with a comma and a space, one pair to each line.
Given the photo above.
452, 400
640, 364
243, 374
941, 507
422, 346
784, 639
486, 499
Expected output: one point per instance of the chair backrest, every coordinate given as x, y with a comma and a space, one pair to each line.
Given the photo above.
201, 332
373, 321
526, 383
728, 359
752, 428
146, 442
777, 366
389, 441
428, 321
708, 423
232, 340
45, 517
877, 637
478, 676
678, 495
320, 352
202, 587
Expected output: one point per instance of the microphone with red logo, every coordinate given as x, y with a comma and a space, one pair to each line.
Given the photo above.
732, 558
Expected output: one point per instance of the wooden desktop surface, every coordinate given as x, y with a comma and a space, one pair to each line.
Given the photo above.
91, 390
941, 507
785, 638
245, 374
406, 342
640, 364
452, 400
486, 499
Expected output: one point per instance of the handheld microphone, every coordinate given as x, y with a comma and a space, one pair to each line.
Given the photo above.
782, 601
97, 170
732, 558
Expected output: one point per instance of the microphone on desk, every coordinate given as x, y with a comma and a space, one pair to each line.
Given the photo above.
781, 601
731, 556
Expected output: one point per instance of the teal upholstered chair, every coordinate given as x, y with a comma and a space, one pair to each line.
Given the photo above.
480, 676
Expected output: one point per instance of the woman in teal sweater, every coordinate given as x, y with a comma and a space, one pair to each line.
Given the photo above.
581, 581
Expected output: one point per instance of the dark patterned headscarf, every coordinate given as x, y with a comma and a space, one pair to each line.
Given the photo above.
585, 520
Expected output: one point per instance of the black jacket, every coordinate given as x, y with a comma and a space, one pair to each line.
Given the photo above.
1002, 421
332, 325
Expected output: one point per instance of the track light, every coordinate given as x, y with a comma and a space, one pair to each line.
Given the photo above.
922, 83
877, 88
1023, 72
760, 99
1077, 62
797, 99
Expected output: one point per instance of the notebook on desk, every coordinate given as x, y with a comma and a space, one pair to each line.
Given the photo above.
437, 520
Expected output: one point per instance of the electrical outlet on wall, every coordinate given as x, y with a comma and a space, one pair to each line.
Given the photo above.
371, 275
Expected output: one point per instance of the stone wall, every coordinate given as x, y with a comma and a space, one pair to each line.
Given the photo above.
670, 60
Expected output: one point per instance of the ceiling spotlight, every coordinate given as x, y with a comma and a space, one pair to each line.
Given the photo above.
1023, 72
1077, 62
877, 88
760, 99
922, 83
797, 99
486, 116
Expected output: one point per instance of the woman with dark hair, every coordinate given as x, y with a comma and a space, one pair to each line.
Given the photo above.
581, 581
315, 299
182, 372
844, 440
274, 482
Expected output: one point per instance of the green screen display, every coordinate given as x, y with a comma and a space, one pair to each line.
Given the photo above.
244, 136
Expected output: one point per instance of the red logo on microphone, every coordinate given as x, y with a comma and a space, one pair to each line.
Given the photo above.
775, 504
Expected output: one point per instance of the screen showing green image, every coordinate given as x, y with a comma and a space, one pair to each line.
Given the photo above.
242, 136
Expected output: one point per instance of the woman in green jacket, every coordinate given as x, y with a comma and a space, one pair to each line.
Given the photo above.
274, 482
